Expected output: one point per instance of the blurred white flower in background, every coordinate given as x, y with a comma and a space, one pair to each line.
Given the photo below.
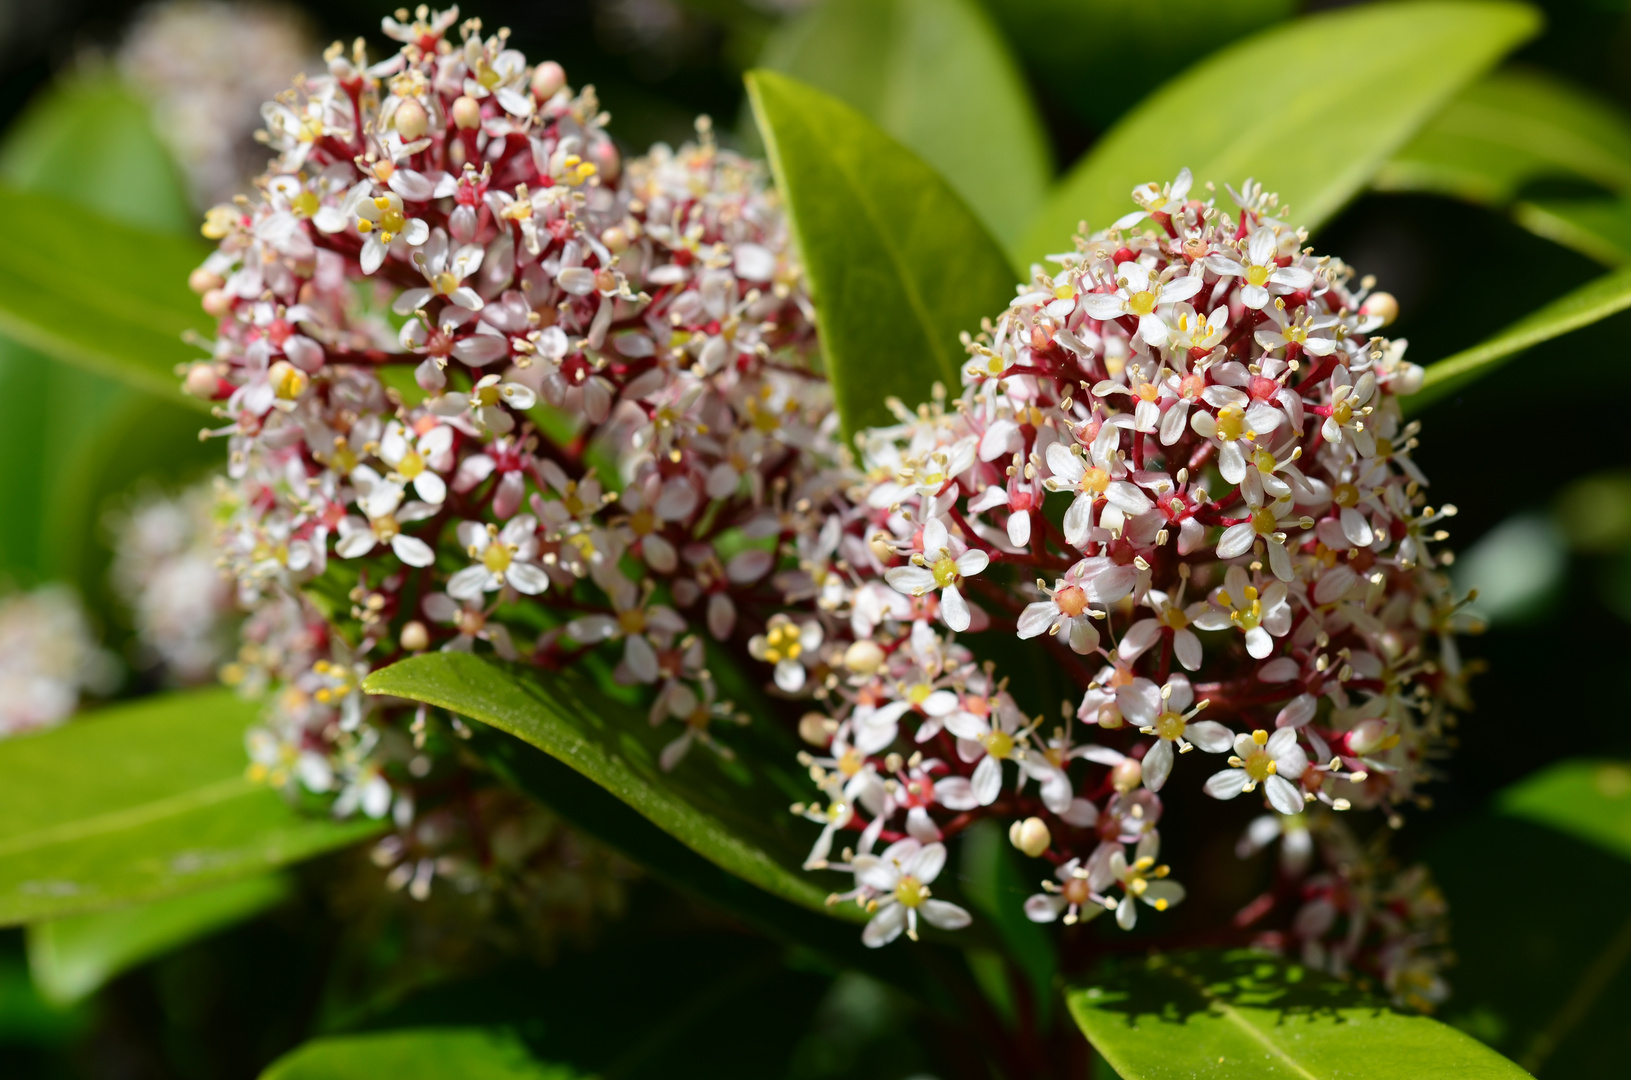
206, 67
48, 658
165, 568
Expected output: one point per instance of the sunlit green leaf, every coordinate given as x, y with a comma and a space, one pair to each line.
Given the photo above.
931, 73
1153, 38
143, 801
1598, 228
898, 264
96, 293
1507, 131
1587, 799
1310, 109
1241, 1014
421, 1054
733, 816
88, 140
71, 958
1593, 301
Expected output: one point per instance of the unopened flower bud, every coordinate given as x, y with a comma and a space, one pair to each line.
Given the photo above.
217, 304
411, 120
415, 637
202, 281
607, 159
467, 112
1381, 305
1109, 716
1367, 736
1031, 836
547, 80
288, 382
813, 729
1126, 775
615, 239
202, 381
864, 657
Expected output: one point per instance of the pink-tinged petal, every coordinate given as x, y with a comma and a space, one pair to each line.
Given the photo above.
1084, 637
1283, 795
955, 793
1298, 711
1226, 784
1035, 620
1158, 765
1209, 735
1082, 813
1235, 542
1139, 637
1187, 647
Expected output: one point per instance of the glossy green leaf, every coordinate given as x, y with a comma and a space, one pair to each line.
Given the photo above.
1507, 131
1593, 301
898, 265
1587, 799
1598, 228
1311, 110
143, 801
99, 294
419, 1054
72, 958
1222, 1015
1153, 38
89, 140
737, 818
931, 73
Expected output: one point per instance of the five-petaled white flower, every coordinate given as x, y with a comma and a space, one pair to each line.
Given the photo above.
940, 567
1271, 760
900, 879
1168, 712
1261, 617
415, 461
1138, 296
501, 558
1259, 269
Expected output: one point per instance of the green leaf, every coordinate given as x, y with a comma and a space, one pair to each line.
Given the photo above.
898, 265
98, 294
932, 74
997, 887
1593, 301
1598, 228
1152, 39
1311, 110
1587, 799
420, 1054
1241, 1013
72, 958
143, 801
735, 817
89, 140
1508, 130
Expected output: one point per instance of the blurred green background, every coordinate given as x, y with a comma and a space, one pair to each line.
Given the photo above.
1535, 456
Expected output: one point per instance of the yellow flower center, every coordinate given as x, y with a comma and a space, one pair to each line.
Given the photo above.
444, 283
633, 621
1342, 412
945, 571
1231, 422
999, 744
1095, 479
1257, 275
1345, 495
782, 643
910, 891
1263, 522
1141, 303
1169, 726
497, 557
411, 465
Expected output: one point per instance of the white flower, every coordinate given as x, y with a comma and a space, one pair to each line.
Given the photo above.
1137, 296
1271, 760
1075, 899
1142, 880
1345, 417
1172, 616
415, 462
938, 568
1064, 612
990, 739
1166, 713
1260, 617
381, 500
502, 558
643, 626
789, 646
1259, 270
900, 878
444, 272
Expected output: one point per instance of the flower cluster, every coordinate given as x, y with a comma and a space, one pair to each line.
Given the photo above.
1178, 471
49, 657
487, 386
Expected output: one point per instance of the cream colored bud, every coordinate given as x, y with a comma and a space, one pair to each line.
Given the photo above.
415, 637
1381, 304
467, 112
288, 382
864, 657
615, 239
411, 120
217, 304
547, 80
1126, 775
813, 729
1367, 735
1109, 716
1031, 836
202, 381
202, 281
